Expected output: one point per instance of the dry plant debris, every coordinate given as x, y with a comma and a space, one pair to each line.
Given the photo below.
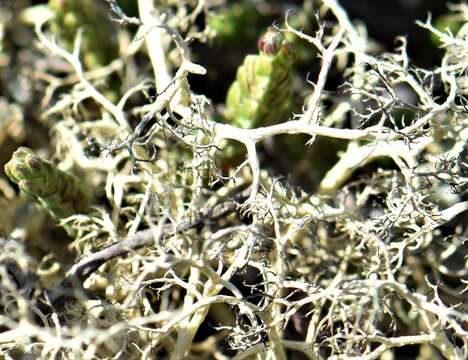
183, 253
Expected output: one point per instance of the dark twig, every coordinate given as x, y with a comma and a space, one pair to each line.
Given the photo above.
71, 285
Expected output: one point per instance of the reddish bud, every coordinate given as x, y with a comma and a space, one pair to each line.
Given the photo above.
271, 42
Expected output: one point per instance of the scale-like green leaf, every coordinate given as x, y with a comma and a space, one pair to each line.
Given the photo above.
58, 192
262, 92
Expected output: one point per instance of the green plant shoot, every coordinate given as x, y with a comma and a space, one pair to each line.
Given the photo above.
58, 192
262, 92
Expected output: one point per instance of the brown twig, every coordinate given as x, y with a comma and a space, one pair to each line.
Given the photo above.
71, 286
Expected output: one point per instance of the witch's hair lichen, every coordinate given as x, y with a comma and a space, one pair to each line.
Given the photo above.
340, 235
